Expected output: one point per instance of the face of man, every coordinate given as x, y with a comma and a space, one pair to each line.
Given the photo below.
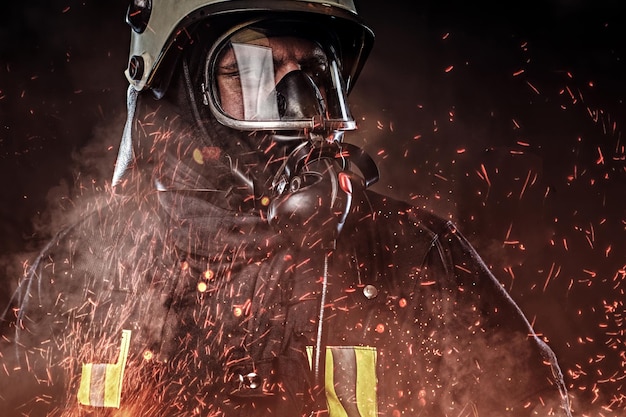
277, 76
247, 73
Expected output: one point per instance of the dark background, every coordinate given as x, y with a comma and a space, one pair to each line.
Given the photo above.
506, 117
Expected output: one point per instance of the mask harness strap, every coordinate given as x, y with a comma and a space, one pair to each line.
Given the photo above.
126, 154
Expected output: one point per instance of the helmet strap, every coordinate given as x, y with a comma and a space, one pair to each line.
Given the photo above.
126, 154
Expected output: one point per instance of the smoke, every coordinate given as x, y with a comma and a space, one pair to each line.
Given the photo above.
506, 122
61, 110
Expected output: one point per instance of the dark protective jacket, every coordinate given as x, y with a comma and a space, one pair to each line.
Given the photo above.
179, 304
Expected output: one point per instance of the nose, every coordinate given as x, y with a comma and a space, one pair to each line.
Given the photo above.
285, 68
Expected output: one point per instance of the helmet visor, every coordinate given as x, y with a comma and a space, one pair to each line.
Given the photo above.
276, 76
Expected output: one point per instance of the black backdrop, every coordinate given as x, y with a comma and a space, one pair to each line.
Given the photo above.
506, 117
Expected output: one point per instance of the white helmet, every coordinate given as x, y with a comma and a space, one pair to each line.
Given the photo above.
160, 30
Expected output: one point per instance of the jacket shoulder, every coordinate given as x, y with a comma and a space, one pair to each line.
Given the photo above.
389, 207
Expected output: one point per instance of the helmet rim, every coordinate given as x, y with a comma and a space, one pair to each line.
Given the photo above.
158, 46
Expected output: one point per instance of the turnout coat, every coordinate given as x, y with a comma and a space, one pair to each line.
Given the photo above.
414, 323
180, 304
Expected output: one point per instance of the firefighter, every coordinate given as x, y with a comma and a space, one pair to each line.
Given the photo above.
241, 267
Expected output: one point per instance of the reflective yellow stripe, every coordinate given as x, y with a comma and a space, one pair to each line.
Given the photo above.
104, 387
350, 370
335, 409
366, 382
85, 381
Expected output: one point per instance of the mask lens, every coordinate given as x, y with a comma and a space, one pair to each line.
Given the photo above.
261, 78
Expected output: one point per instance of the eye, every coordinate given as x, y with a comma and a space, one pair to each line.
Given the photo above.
228, 73
226, 64
227, 68
316, 69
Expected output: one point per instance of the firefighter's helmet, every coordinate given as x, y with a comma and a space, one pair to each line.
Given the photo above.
160, 29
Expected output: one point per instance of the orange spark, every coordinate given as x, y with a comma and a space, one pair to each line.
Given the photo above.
533, 87
600, 160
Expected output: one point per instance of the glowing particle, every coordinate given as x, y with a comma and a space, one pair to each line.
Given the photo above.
197, 156
533, 88
148, 355
485, 176
345, 183
202, 287
265, 201
208, 274
449, 68
600, 160
591, 273
521, 194
210, 153
402, 302
422, 397
237, 311
380, 328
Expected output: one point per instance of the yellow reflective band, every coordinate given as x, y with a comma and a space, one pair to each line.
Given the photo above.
349, 380
101, 384
366, 382
85, 380
335, 409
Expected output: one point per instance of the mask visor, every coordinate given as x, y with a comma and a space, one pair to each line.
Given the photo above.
259, 78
